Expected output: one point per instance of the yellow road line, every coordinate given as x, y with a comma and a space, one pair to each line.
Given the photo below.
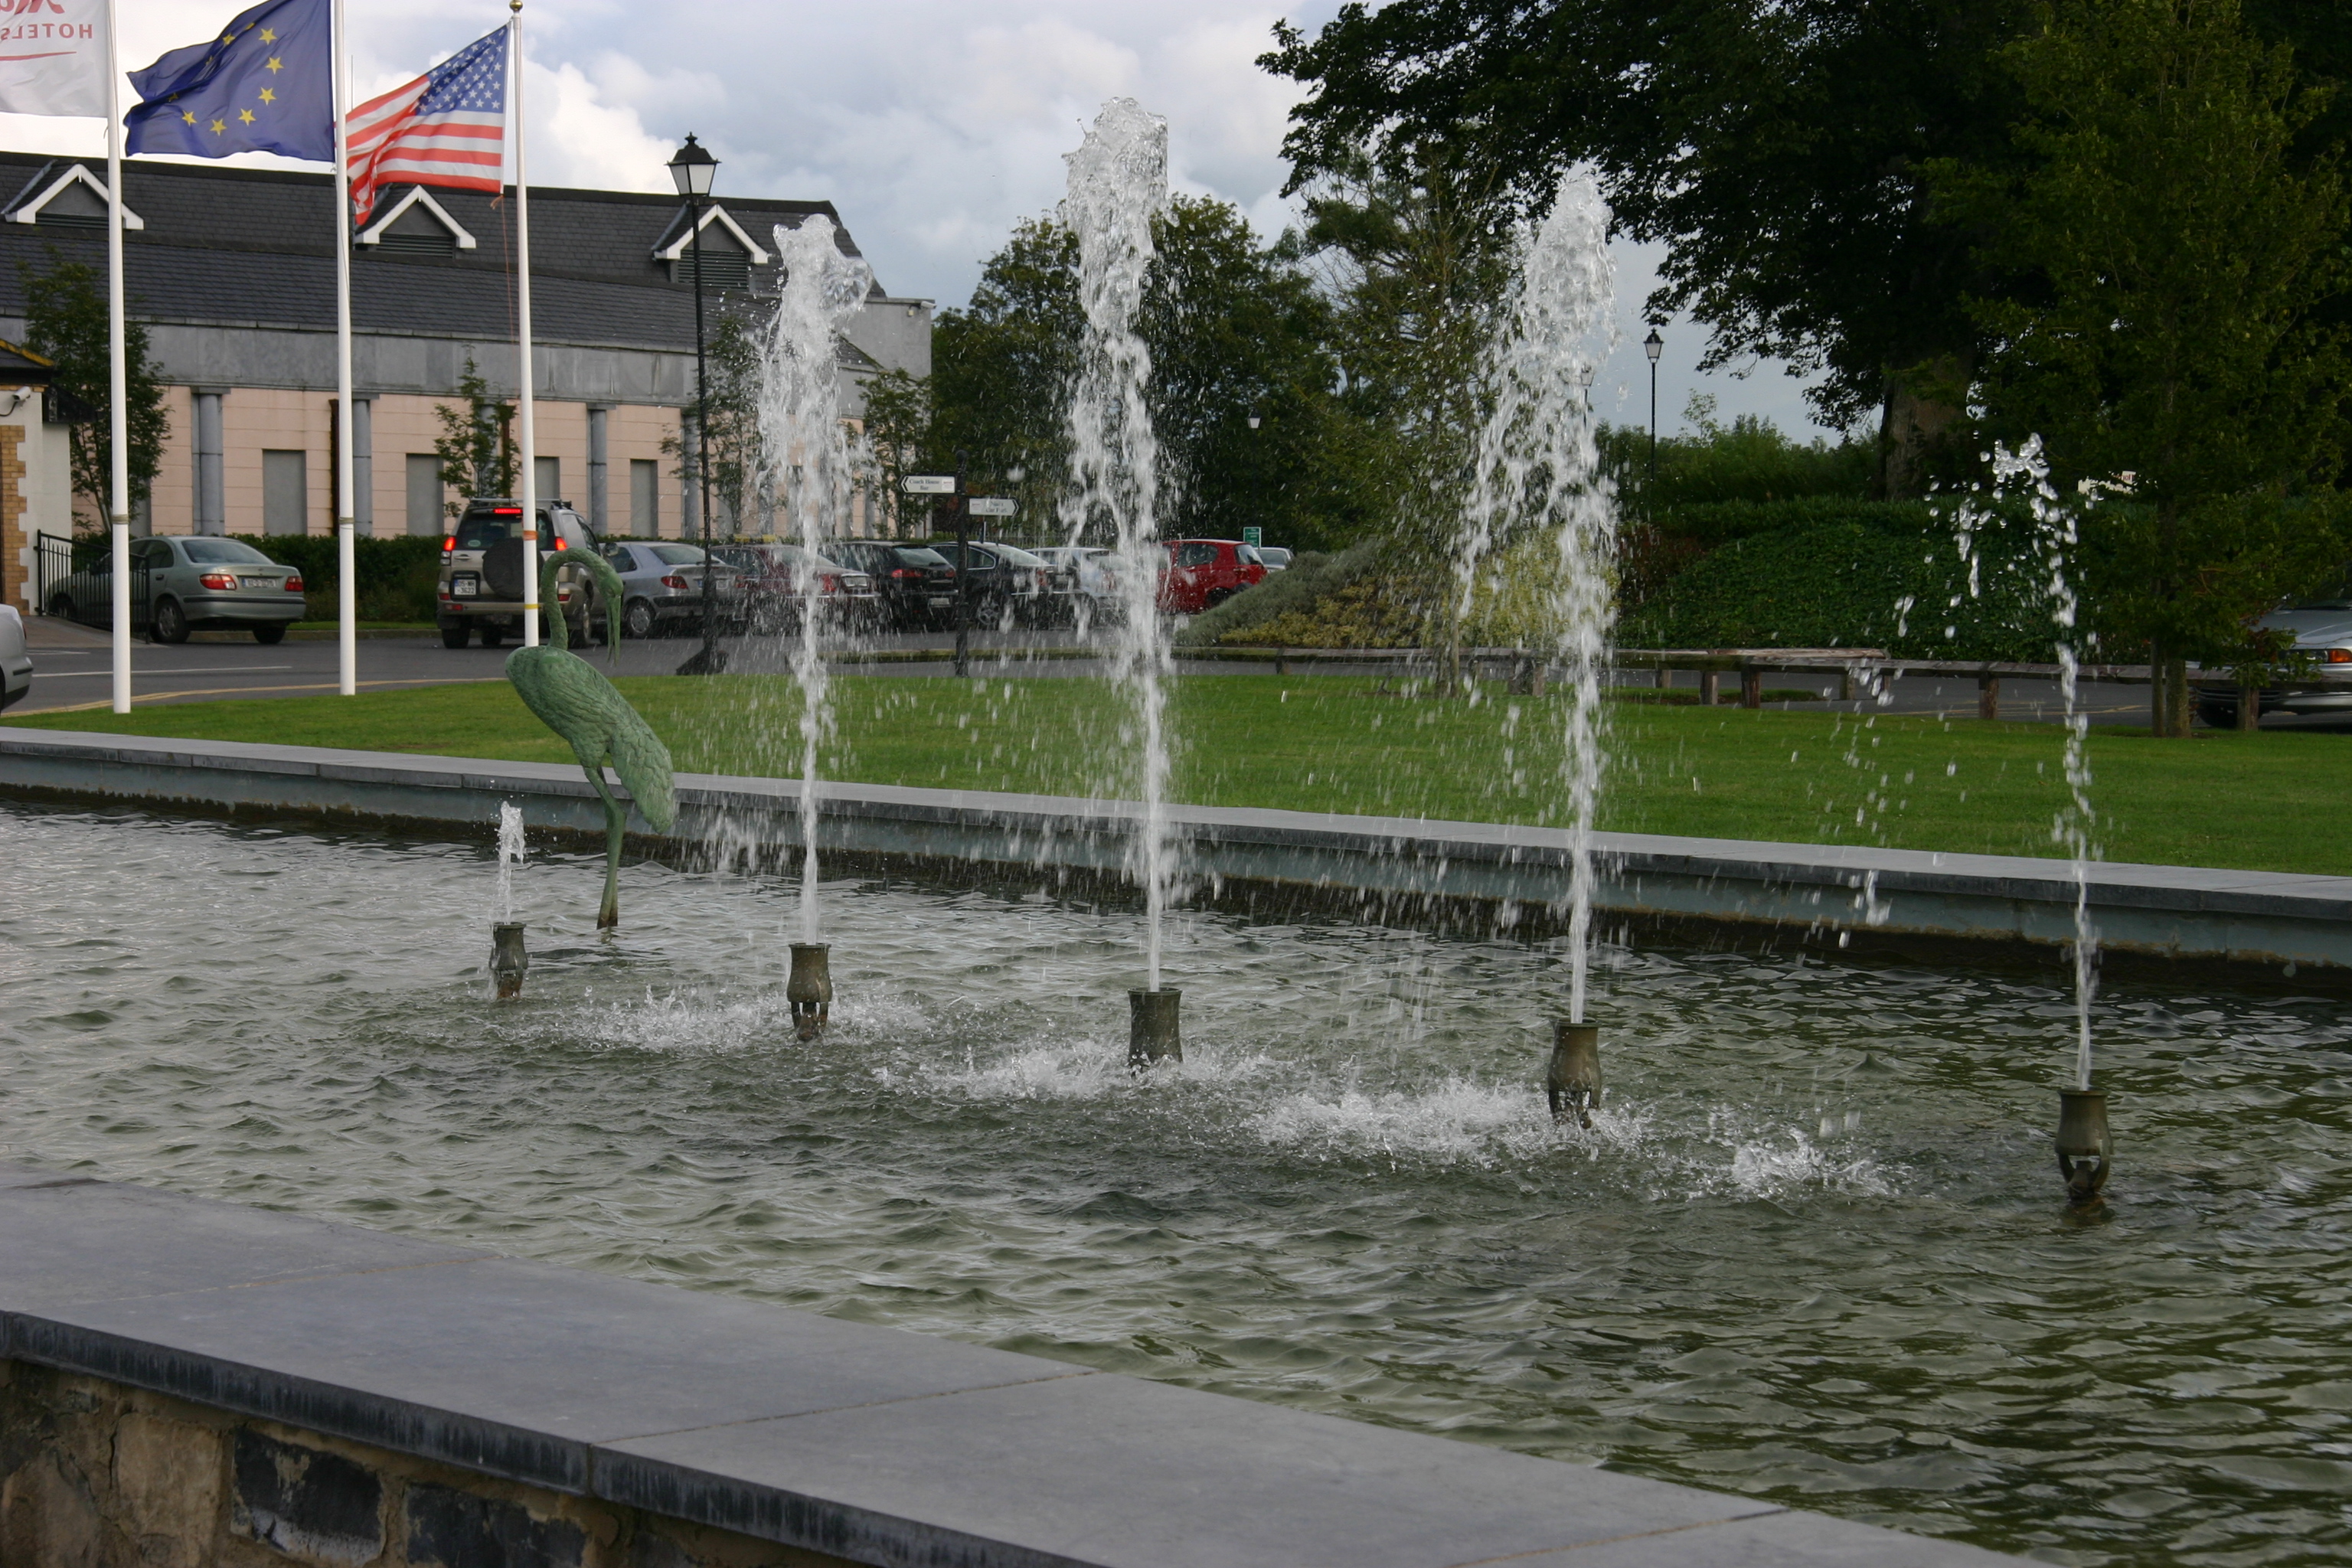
248, 691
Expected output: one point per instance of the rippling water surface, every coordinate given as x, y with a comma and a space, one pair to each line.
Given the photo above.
1813, 1251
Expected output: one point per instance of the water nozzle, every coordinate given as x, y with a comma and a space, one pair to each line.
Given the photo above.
2085, 1144
508, 961
1152, 1036
1572, 1078
810, 989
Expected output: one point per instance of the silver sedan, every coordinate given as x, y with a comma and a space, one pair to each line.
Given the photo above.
187, 584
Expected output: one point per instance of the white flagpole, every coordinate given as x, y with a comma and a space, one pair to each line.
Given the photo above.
346, 566
118, 380
530, 454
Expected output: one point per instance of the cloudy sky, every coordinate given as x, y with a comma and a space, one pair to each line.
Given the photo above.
931, 124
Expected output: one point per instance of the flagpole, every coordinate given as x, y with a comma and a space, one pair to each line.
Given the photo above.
346, 527
530, 605
118, 380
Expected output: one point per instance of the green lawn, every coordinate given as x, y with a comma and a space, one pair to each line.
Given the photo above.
1327, 743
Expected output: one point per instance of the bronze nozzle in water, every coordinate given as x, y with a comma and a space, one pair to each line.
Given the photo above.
1152, 1036
508, 961
1572, 1078
2085, 1144
810, 989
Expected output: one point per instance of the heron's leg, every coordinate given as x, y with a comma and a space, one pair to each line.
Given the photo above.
617, 821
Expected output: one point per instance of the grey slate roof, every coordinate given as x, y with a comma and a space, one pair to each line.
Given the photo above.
244, 247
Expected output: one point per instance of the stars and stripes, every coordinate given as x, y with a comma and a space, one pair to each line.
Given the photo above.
446, 128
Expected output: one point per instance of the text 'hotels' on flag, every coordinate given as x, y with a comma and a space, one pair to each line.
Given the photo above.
53, 58
265, 84
446, 128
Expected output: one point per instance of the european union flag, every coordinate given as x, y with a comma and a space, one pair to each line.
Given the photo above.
265, 85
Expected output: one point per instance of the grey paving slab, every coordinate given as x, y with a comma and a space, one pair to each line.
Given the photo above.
1792, 1540
1123, 1474
68, 1241
507, 1367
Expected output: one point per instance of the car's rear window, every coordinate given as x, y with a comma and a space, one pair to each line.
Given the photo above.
222, 553
918, 555
677, 554
481, 531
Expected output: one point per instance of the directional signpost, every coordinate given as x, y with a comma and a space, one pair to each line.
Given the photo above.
992, 506
1252, 537
952, 485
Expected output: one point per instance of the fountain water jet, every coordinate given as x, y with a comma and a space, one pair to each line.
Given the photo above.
810, 460
509, 960
2084, 1144
1117, 185
1538, 467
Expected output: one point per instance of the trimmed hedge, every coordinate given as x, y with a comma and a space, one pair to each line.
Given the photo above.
397, 575
1720, 522
1308, 578
1844, 585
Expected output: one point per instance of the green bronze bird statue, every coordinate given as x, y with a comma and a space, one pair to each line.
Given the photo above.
578, 704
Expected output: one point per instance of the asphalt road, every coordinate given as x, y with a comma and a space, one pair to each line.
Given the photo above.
72, 670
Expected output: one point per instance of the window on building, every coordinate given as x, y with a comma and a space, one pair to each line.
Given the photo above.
426, 517
285, 492
645, 498
726, 270
549, 472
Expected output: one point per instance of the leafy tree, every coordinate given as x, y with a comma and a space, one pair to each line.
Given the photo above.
731, 364
1001, 368
477, 444
1780, 151
1775, 150
65, 324
2160, 267
898, 425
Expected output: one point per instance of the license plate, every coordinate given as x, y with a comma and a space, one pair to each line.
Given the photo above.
941, 603
258, 582
465, 587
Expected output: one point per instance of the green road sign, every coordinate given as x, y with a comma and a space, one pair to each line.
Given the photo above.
1253, 536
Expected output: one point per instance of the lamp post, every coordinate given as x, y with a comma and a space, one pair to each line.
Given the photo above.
1652, 345
691, 169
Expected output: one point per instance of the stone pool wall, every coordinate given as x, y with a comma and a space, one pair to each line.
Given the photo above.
185, 1383
96, 1474
2253, 926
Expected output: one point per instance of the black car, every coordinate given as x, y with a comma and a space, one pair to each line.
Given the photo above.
915, 582
1010, 585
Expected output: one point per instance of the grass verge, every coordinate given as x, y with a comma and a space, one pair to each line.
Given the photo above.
1327, 743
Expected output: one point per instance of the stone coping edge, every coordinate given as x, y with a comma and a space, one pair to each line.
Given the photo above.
865, 1443
1203, 832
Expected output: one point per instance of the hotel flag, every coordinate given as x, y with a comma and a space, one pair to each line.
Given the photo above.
273, 81
53, 58
58, 58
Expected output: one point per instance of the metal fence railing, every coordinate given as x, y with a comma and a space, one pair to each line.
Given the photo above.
53, 563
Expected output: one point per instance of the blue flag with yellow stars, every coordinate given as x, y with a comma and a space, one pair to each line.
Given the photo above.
265, 84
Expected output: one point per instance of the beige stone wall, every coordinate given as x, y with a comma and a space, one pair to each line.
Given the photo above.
258, 419
96, 1475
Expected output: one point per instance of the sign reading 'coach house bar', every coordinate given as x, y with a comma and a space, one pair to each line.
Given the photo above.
232, 272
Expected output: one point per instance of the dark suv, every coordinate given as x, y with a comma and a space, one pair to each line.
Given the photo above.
915, 582
481, 588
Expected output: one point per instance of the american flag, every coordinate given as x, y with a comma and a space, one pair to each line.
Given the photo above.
447, 127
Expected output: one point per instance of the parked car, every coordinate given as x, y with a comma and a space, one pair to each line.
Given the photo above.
1277, 557
661, 586
1204, 572
1092, 572
16, 659
915, 582
481, 588
775, 579
2323, 633
185, 584
1011, 584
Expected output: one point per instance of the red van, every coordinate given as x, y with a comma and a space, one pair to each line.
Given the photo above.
1202, 573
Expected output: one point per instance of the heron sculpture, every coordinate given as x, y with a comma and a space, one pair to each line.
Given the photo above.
578, 704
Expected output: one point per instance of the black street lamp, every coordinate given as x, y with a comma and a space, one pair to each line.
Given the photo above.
691, 169
1652, 345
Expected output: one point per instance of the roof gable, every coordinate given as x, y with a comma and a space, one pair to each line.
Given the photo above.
679, 234
415, 213
70, 190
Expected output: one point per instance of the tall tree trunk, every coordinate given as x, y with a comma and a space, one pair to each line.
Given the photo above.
1915, 426
2177, 695
2159, 712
